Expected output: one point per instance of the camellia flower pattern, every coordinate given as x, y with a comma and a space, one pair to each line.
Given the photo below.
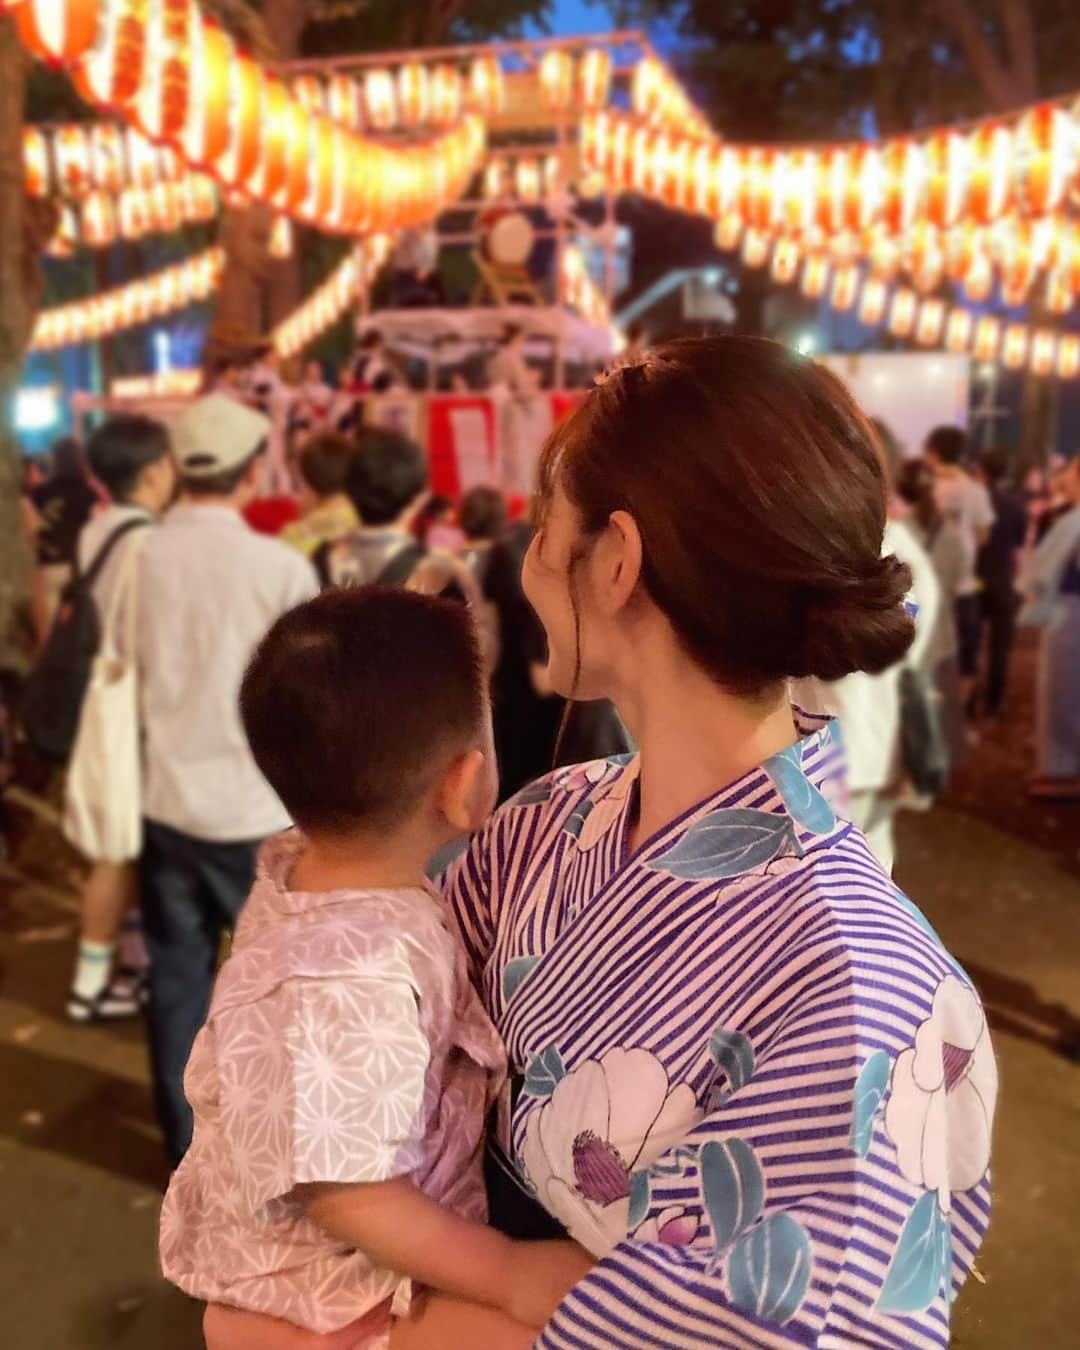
344, 1044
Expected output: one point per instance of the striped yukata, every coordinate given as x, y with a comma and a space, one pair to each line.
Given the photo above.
751, 1080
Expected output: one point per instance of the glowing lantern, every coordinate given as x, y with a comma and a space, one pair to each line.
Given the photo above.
551, 174
294, 189
206, 131
98, 220
1014, 353
107, 157
142, 160
1018, 263
445, 94
948, 168
927, 257
963, 245
797, 176
728, 231
62, 244
379, 100
1042, 352
111, 72
815, 277
987, 338
902, 312
991, 148
1043, 158
930, 322
557, 79
595, 78
1059, 292
309, 90
755, 248
343, 101
494, 185
645, 85
58, 30
760, 185
319, 202
487, 91
872, 305
35, 162
412, 92
237, 165
844, 287
527, 180
269, 178
785, 260
134, 213
1068, 356
161, 105
958, 330
200, 198
71, 157
831, 188
281, 238
979, 281
904, 179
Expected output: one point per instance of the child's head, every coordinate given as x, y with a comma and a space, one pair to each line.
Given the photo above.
367, 713
323, 463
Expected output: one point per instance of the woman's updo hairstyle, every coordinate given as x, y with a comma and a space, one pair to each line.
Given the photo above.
757, 487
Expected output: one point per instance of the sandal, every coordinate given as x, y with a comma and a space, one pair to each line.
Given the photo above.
126, 995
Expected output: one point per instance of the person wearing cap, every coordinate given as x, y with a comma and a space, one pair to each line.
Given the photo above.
209, 589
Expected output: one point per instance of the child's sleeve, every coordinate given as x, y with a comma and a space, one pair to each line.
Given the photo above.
324, 1082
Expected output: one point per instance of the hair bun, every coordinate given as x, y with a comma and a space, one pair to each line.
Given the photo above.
863, 626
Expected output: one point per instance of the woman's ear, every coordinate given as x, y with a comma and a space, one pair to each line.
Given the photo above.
616, 562
463, 797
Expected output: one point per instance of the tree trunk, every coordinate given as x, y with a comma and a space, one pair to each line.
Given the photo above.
16, 318
239, 320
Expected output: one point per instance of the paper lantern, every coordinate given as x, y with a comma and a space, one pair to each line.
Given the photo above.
107, 158
111, 71
958, 330
133, 213
875, 294
297, 180
71, 159
551, 174
904, 182
199, 196
62, 244
494, 180
729, 230
990, 188
527, 180
308, 89
948, 162
926, 258
36, 162
595, 78
831, 187
979, 282
161, 104
487, 90
902, 312
785, 260
205, 135
645, 85
815, 277
1059, 292
797, 178
557, 79
1015, 347
845, 286
143, 161
760, 187
930, 322
281, 238
59, 31
268, 180
413, 95
379, 100
237, 165
987, 338
755, 247
1043, 158
1043, 345
343, 101
98, 220
884, 254
445, 94
1068, 356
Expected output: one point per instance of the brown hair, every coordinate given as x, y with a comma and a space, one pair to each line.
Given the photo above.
753, 478
356, 700
324, 463
915, 484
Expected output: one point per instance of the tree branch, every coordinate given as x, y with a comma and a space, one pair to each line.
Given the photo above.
998, 83
1020, 42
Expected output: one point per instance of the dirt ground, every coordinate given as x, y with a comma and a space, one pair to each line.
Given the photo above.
81, 1169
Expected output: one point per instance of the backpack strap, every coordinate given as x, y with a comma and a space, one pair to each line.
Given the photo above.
92, 573
401, 566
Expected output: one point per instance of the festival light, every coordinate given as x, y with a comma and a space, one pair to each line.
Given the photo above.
557, 79
413, 93
595, 78
60, 31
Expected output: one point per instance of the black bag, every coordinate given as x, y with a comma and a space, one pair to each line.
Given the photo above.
924, 745
52, 700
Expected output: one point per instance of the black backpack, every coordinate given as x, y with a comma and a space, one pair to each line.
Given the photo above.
52, 700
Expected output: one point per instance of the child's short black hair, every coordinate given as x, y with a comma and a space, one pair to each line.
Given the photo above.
386, 474
358, 699
122, 447
324, 462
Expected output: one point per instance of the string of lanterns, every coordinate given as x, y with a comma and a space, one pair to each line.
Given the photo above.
325, 306
179, 78
137, 302
73, 159
101, 218
581, 291
929, 321
992, 195
413, 95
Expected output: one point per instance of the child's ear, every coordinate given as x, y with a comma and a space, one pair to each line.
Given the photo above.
460, 790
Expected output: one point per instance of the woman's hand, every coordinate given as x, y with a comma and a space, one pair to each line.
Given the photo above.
541, 1275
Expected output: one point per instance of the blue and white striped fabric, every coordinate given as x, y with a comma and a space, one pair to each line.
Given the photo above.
755, 1084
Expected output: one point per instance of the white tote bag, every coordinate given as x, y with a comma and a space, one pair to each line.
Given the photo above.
102, 807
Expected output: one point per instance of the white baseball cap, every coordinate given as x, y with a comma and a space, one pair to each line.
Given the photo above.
215, 434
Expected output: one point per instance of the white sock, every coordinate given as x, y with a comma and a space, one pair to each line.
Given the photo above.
93, 968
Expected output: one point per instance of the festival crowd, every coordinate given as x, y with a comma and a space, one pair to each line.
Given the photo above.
570, 1000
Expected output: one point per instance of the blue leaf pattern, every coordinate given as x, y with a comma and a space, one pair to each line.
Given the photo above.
806, 804
734, 1053
732, 1186
578, 817
533, 793
869, 1092
917, 914
639, 1198
545, 1070
514, 974
727, 843
769, 1269
678, 1161
921, 1260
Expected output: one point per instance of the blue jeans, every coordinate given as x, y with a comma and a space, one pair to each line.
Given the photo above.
191, 892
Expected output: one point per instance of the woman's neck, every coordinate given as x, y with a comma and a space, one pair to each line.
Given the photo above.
695, 738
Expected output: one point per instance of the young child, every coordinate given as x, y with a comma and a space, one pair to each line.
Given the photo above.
341, 1083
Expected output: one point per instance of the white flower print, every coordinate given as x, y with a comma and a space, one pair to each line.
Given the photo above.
604, 1120
944, 1087
673, 1226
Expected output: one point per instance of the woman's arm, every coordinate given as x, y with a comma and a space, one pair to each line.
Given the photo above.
399, 1227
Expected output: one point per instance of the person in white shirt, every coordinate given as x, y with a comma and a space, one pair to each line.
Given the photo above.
130, 457
209, 590
968, 505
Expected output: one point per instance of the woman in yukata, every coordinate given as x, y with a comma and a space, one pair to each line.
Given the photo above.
749, 1078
